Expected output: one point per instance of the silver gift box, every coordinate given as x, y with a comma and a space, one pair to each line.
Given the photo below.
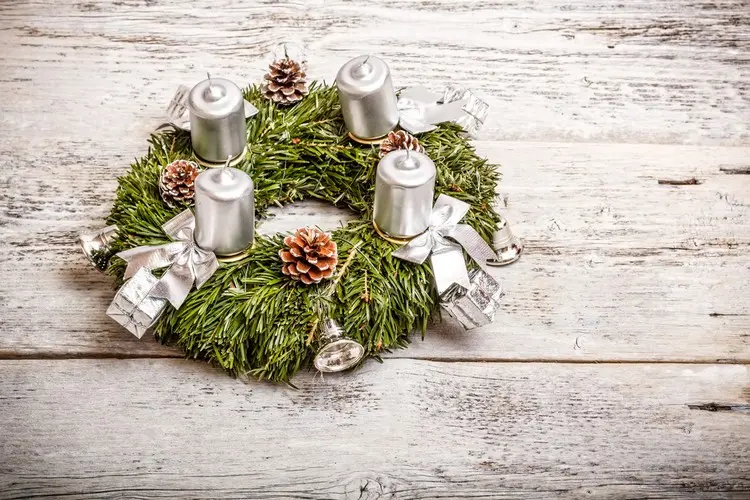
134, 305
477, 305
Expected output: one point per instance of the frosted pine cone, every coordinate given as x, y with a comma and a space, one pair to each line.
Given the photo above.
177, 182
285, 82
400, 140
311, 255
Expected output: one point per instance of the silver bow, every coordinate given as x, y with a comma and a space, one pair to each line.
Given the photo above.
178, 112
188, 263
443, 242
420, 110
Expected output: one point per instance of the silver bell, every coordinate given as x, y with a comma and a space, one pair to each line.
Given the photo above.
508, 247
337, 353
96, 245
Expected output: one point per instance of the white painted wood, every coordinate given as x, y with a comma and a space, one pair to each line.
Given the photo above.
574, 70
617, 267
169, 428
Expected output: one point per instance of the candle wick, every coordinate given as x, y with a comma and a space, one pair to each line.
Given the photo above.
213, 92
225, 175
407, 163
363, 69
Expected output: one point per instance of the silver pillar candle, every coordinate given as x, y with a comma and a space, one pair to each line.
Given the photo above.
368, 101
224, 211
404, 192
217, 120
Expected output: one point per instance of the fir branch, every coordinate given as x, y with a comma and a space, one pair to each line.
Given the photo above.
332, 289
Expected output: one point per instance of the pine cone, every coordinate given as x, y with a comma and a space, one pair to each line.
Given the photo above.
285, 82
177, 182
310, 256
400, 140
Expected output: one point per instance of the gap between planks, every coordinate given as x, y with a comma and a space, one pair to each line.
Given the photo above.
11, 356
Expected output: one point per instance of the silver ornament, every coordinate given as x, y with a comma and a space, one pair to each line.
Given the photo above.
507, 246
96, 244
337, 353
474, 306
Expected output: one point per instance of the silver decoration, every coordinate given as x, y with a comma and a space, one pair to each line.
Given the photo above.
337, 353
368, 101
224, 211
136, 306
217, 120
421, 109
94, 242
475, 109
508, 247
250, 110
476, 305
188, 263
404, 190
178, 112
443, 241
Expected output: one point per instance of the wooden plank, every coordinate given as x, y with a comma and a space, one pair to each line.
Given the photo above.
617, 266
576, 70
405, 429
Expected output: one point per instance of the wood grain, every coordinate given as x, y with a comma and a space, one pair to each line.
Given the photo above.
414, 430
575, 70
624, 132
617, 267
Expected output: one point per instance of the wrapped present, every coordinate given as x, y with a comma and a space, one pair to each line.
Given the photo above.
143, 297
474, 306
136, 306
421, 110
472, 298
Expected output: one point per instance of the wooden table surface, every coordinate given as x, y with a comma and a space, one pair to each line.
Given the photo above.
618, 367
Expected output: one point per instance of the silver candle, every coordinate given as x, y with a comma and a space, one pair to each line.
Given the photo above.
217, 120
404, 192
367, 99
224, 211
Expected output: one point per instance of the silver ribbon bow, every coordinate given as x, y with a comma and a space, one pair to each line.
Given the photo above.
420, 110
178, 112
189, 264
443, 242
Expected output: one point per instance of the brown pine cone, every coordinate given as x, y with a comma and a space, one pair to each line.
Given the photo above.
311, 255
400, 140
177, 182
285, 82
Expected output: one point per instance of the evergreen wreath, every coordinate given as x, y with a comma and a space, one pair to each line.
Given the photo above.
250, 318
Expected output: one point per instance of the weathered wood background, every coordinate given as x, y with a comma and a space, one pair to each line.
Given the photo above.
618, 367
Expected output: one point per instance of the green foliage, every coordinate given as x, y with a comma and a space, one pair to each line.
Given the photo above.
100, 258
250, 318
